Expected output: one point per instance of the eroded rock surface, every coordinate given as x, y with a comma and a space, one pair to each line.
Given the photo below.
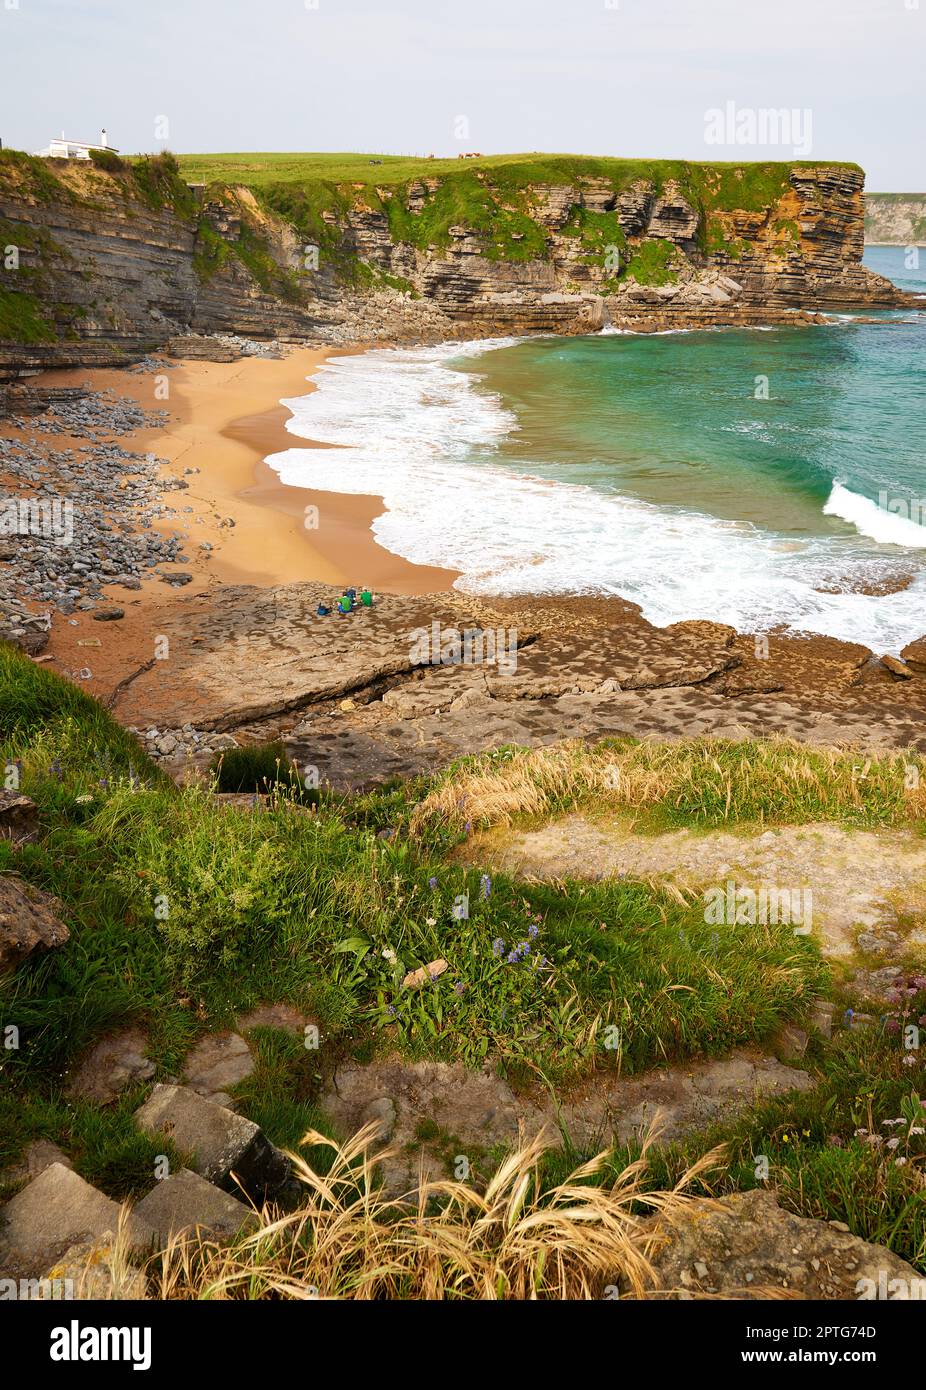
216, 1063
30, 920
431, 1113
19, 818
356, 699
111, 1065
38, 1156
746, 1246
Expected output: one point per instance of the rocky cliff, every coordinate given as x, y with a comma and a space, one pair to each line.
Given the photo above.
895, 219
104, 263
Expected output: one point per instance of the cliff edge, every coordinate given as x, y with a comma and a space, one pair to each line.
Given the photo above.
107, 259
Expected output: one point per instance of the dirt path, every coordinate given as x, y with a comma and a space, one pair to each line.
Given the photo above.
433, 1114
868, 888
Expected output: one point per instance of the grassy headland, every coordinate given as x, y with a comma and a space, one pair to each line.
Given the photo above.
327, 906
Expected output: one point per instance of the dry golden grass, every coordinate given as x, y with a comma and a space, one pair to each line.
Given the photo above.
700, 781
527, 782
449, 1241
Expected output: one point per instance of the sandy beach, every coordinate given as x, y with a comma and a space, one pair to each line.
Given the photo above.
224, 419
241, 526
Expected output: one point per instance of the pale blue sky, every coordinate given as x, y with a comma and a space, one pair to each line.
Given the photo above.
554, 75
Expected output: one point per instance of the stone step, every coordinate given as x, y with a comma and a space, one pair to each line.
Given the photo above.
56, 1211
229, 1150
185, 1201
216, 1063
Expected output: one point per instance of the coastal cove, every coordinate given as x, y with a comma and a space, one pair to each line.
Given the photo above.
462, 674
463, 670
727, 473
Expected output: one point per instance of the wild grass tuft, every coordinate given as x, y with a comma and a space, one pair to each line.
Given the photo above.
516, 1240
695, 782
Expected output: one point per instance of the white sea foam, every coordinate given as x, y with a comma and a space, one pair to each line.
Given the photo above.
875, 521
422, 438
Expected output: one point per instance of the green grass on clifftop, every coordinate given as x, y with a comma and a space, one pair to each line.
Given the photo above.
734, 178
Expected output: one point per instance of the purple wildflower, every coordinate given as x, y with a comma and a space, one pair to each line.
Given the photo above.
532, 931
498, 946
432, 883
486, 885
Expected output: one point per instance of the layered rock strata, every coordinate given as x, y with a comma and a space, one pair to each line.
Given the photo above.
96, 273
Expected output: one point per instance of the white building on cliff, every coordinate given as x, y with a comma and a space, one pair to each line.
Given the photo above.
74, 149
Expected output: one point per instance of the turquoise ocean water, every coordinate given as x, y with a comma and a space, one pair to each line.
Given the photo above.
770, 479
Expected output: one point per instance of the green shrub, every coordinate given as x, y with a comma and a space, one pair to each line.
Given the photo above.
651, 263
214, 882
158, 179
23, 318
108, 160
